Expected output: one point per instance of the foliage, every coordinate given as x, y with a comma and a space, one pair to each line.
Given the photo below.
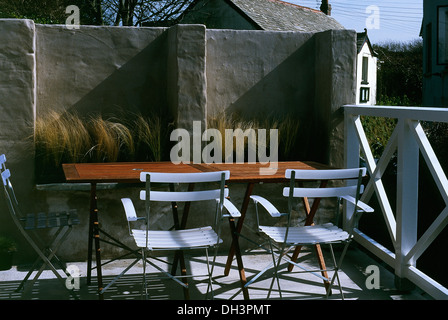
378, 131
49, 11
98, 12
437, 133
400, 73
287, 126
67, 137
394, 101
7, 244
399, 83
139, 12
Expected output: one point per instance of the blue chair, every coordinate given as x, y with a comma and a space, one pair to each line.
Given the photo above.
32, 224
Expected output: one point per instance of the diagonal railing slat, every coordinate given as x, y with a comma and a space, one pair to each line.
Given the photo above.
442, 183
431, 159
375, 171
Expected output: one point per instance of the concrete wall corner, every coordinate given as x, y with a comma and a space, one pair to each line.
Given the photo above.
187, 83
17, 110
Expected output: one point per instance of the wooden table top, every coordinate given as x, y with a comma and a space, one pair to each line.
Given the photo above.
129, 172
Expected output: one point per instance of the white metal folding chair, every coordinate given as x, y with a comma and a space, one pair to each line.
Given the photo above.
286, 237
30, 227
150, 240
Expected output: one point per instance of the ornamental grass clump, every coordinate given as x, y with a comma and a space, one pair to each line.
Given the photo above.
149, 138
66, 137
61, 138
287, 125
111, 139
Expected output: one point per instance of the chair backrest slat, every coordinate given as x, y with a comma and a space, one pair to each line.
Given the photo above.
184, 178
183, 196
159, 177
213, 187
333, 174
322, 192
322, 175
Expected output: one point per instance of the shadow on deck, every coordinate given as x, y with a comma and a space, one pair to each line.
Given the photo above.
294, 286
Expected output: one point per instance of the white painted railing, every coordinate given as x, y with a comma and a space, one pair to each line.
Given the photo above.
407, 140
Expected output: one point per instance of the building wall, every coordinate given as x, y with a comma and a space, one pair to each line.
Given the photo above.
372, 76
435, 74
188, 71
218, 15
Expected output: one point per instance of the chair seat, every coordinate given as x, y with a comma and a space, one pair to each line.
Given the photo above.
176, 239
51, 220
306, 235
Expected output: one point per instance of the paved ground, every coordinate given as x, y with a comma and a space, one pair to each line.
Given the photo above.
294, 286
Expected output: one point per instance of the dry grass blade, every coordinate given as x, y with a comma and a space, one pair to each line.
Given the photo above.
110, 139
288, 135
148, 137
61, 137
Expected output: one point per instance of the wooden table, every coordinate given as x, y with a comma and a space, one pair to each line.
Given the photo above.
129, 172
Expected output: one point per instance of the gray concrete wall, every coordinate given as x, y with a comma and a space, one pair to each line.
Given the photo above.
17, 111
187, 71
101, 69
259, 72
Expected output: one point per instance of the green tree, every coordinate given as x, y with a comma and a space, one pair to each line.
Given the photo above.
49, 11
98, 12
400, 73
140, 12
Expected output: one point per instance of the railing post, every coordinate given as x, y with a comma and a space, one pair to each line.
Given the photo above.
351, 155
407, 200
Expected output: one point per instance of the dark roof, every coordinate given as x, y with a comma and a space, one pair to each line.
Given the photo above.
278, 15
361, 39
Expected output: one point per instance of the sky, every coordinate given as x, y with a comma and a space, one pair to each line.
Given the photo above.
385, 20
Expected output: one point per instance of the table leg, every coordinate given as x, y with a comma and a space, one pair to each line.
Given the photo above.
94, 234
90, 236
183, 272
235, 247
239, 260
238, 228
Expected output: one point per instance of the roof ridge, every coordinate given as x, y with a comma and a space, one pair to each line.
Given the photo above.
294, 5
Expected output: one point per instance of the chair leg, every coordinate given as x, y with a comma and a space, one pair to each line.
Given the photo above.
53, 247
46, 256
276, 266
33, 267
144, 284
338, 266
210, 274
